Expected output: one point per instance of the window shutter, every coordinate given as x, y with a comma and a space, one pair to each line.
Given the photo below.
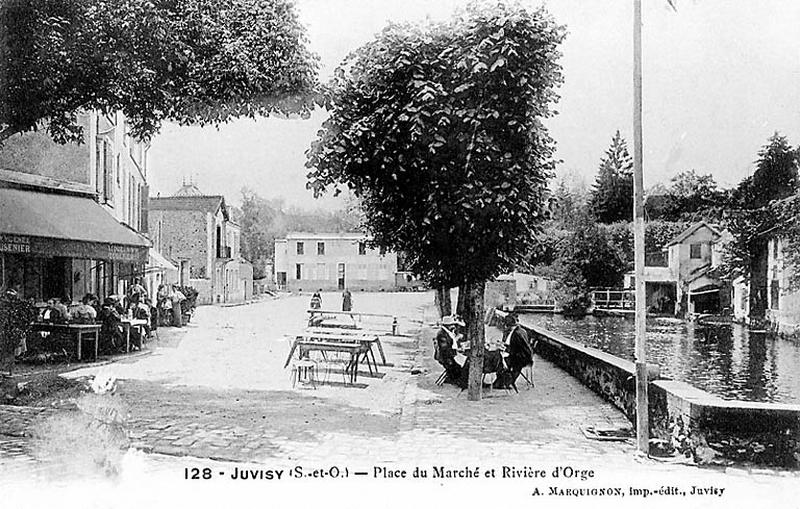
143, 221
108, 168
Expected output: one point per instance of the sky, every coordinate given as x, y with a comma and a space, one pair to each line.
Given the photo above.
720, 76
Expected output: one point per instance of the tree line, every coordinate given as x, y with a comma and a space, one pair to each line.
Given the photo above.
588, 241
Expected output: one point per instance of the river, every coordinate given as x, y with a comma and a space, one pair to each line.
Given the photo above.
735, 364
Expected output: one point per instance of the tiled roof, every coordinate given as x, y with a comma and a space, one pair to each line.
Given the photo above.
689, 231
314, 236
210, 203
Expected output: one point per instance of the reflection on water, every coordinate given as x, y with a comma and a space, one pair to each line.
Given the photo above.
727, 361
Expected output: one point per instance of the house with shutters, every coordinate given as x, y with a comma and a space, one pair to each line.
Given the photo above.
332, 261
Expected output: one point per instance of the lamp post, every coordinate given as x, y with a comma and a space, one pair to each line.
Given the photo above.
642, 427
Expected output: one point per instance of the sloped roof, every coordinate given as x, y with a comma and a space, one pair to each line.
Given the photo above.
208, 203
319, 236
692, 229
160, 261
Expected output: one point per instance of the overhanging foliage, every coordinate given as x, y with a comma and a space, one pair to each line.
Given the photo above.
438, 129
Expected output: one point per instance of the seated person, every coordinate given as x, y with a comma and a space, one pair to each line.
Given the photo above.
140, 311
112, 335
55, 312
445, 352
518, 352
316, 301
85, 311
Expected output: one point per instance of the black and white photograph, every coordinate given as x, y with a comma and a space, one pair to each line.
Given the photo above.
418, 253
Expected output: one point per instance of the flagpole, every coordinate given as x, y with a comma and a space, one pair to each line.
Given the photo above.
642, 428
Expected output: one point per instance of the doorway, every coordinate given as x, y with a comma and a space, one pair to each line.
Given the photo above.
340, 275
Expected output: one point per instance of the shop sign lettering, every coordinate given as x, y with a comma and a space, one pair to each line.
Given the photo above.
15, 244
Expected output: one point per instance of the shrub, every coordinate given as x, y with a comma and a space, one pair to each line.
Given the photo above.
16, 316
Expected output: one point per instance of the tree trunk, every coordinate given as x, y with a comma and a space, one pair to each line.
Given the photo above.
6, 359
473, 315
443, 303
462, 298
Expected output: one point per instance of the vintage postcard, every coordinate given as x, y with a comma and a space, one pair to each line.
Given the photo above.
330, 253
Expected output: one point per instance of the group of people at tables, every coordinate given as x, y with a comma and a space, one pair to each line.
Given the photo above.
505, 358
113, 310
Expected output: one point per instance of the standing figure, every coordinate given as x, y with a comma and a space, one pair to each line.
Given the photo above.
137, 289
347, 300
177, 303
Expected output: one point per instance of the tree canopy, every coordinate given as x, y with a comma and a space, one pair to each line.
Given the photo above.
438, 129
612, 194
192, 62
775, 177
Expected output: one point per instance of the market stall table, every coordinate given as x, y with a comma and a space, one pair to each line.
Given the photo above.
79, 330
355, 350
356, 334
127, 324
356, 316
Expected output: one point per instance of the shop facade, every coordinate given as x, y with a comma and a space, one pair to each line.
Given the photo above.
61, 245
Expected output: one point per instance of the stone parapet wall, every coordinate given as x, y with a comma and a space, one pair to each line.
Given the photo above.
709, 428
718, 430
605, 374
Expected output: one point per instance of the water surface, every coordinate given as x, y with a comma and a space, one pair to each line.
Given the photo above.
729, 362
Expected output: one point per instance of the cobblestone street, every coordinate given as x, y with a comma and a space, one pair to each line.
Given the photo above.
218, 391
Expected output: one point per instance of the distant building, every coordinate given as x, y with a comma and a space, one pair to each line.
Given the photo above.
680, 279
782, 302
195, 230
73, 218
332, 261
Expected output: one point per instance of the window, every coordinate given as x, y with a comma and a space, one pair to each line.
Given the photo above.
301, 249
362, 248
298, 271
320, 248
695, 251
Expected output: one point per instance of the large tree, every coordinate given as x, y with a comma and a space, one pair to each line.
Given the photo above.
438, 128
189, 61
612, 194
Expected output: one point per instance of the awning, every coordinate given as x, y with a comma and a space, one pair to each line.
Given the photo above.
47, 224
158, 262
705, 289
